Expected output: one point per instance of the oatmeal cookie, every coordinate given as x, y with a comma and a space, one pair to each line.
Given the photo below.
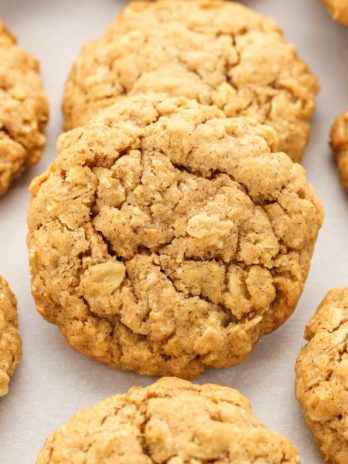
338, 10
23, 110
322, 377
166, 238
10, 341
170, 421
339, 143
217, 52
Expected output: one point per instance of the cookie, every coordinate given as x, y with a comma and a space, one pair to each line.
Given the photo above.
170, 421
339, 143
10, 341
322, 377
23, 110
166, 238
338, 10
217, 52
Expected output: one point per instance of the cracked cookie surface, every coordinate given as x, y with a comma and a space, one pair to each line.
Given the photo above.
322, 377
338, 10
23, 110
171, 421
339, 143
10, 341
217, 52
167, 238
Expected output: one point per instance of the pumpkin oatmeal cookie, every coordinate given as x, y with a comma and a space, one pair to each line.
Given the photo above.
171, 421
339, 143
217, 52
10, 341
322, 377
23, 110
338, 10
167, 238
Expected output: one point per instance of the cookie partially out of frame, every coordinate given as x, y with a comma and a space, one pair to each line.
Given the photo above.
171, 421
339, 143
23, 110
167, 238
338, 10
322, 377
215, 51
10, 341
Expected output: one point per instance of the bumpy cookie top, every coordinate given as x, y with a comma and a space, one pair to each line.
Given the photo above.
171, 421
10, 341
338, 10
166, 238
322, 376
339, 143
217, 52
23, 110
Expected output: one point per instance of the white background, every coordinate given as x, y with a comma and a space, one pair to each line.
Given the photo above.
53, 381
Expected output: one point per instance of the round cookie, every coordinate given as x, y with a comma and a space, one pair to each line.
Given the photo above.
338, 10
339, 143
217, 52
10, 341
166, 238
23, 110
322, 377
171, 421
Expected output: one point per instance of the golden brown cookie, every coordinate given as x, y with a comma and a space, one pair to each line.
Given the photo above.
10, 341
217, 52
23, 110
166, 238
339, 143
338, 10
322, 377
171, 421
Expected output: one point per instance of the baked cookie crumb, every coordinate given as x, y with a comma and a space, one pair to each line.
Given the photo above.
23, 110
322, 376
171, 421
10, 341
339, 143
